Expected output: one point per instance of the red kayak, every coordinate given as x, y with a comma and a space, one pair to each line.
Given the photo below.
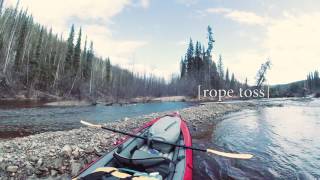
148, 158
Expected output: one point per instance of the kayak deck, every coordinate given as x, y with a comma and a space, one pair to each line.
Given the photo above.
138, 155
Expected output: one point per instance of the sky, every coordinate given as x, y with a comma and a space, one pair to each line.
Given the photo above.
151, 36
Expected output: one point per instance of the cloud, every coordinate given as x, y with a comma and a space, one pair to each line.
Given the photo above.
95, 18
242, 17
291, 42
58, 13
105, 45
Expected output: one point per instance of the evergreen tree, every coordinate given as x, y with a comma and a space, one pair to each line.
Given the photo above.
77, 53
90, 56
227, 79
232, 82
190, 58
83, 63
34, 63
108, 70
210, 41
316, 79
220, 67
70, 51
21, 46
182, 68
197, 58
215, 79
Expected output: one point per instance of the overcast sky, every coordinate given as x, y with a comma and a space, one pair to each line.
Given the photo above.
153, 34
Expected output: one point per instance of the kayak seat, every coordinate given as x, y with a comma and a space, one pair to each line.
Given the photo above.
165, 155
140, 158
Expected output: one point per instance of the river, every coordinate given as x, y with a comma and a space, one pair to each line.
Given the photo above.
284, 140
18, 119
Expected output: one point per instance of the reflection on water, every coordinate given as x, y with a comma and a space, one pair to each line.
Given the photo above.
25, 121
285, 142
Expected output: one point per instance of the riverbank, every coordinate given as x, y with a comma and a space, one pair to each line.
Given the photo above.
60, 102
59, 155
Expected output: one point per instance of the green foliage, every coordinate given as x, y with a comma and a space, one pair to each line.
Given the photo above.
198, 68
210, 41
34, 59
227, 79
77, 54
220, 67
313, 81
21, 45
108, 70
70, 51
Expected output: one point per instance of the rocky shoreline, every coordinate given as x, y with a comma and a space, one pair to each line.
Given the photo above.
59, 155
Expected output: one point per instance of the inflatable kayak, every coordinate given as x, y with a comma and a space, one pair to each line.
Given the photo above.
147, 159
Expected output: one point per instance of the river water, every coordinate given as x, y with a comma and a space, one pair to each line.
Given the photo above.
285, 142
18, 119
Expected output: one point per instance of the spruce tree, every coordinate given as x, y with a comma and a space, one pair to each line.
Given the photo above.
108, 70
34, 63
77, 54
89, 59
232, 82
197, 58
220, 67
210, 41
21, 45
227, 79
182, 68
70, 51
189, 58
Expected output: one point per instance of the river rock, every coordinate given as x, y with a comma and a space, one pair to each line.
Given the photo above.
76, 153
57, 163
89, 150
83, 144
53, 172
67, 149
75, 168
12, 169
40, 162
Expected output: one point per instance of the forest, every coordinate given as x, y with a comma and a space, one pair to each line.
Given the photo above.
303, 88
198, 68
36, 63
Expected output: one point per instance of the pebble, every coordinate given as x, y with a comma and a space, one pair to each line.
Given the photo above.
75, 168
12, 169
40, 162
53, 172
67, 149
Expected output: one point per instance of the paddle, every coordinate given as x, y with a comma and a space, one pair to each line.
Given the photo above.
224, 154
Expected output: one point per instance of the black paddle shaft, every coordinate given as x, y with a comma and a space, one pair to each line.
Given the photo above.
153, 140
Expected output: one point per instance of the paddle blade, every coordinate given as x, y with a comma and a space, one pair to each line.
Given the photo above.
90, 124
230, 155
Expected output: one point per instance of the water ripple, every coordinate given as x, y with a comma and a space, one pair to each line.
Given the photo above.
285, 142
